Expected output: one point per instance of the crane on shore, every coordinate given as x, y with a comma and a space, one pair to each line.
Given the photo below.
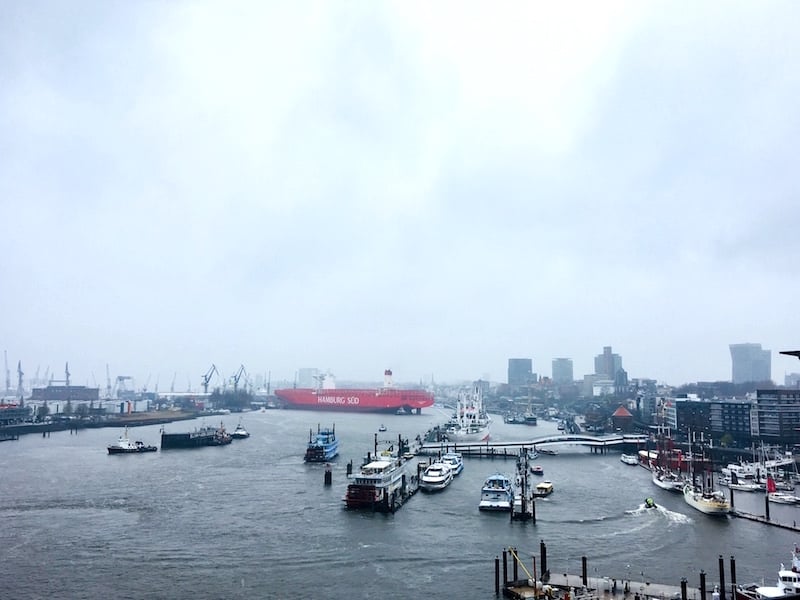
237, 377
207, 377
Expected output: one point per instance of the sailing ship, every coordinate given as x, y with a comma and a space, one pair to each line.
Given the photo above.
702, 496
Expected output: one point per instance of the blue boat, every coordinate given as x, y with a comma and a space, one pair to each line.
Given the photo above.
322, 446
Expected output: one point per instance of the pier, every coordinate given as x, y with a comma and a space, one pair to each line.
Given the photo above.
489, 449
551, 585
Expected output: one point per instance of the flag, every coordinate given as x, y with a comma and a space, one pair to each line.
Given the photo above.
771, 485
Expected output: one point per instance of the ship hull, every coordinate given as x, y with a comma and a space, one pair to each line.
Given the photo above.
356, 400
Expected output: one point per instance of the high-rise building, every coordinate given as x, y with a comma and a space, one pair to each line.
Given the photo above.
520, 371
607, 363
750, 363
562, 371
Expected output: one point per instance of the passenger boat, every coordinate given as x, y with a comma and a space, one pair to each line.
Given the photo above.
240, 432
543, 489
124, 445
322, 446
455, 461
435, 477
204, 436
629, 459
326, 396
470, 423
381, 483
787, 588
497, 493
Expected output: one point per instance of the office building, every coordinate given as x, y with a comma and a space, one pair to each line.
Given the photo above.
607, 363
520, 371
562, 371
750, 363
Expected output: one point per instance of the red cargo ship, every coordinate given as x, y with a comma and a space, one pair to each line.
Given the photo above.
384, 399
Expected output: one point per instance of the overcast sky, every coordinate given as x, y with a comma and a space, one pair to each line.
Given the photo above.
432, 187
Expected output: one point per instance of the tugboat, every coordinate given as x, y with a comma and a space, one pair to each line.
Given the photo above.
240, 432
124, 445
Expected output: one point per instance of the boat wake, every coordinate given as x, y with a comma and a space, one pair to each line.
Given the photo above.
674, 517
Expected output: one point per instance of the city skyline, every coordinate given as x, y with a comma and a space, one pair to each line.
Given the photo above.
157, 382
426, 187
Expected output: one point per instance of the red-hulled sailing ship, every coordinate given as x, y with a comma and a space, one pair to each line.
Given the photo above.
383, 399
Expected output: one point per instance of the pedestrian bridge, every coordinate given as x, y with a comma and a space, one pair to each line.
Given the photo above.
600, 444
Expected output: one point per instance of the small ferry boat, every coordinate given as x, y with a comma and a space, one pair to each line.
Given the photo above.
543, 489
322, 446
124, 445
629, 459
240, 432
497, 493
455, 461
435, 477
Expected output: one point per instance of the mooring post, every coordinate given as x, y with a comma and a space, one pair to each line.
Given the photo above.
583, 571
505, 566
350, 468
542, 547
702, 584
731, 489
514, 570
497, 576
733, 578
766, 506
328, 474
683, 589
721, 578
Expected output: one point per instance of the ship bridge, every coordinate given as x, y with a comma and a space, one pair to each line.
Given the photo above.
600, 444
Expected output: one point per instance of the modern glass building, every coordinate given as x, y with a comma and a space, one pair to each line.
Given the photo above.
750, 363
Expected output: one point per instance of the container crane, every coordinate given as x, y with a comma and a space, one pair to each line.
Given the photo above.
207, 377
237, 377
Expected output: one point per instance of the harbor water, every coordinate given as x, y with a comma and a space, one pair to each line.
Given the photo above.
252, 520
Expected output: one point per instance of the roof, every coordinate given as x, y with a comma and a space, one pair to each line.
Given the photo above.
622, 412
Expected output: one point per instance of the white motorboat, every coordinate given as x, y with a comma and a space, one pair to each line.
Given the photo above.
497, 493
787, 588
436, 477
780, 497
629, 459
668, 480
470, 423
746, 485
454, 460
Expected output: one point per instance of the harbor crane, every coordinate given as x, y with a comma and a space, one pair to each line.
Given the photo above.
8, 373
237, 377
19, 380
207, 377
